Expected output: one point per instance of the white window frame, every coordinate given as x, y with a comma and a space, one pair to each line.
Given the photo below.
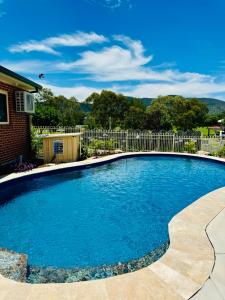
7, 107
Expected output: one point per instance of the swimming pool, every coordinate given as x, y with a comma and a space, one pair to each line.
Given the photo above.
103, 215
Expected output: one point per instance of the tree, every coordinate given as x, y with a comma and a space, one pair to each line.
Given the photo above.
45, 116
211, 120
45, 95
93, 97
136, 102
54, 111
188, 113
135, 115
69, 110
90, 121
221, 117
158, 117
177, 112
107, 108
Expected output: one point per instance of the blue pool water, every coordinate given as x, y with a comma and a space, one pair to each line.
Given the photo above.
102, 215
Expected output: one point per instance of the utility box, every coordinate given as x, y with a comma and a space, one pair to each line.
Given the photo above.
61, 148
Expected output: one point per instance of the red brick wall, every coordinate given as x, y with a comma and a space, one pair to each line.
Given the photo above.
14, 137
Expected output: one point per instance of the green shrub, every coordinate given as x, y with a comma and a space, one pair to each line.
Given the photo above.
97, 144
102, 144
221, 152
36, 142
190, 146
110, 144
86, 152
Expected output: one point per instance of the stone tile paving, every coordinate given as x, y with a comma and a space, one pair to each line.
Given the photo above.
214, 288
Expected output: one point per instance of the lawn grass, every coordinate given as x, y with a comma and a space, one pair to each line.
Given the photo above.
204, 131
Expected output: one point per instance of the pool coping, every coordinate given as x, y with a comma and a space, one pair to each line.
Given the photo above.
179, 274
45, 170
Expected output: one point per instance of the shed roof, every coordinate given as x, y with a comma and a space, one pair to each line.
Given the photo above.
59, 135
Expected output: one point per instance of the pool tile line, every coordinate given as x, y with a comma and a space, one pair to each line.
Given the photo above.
100, 160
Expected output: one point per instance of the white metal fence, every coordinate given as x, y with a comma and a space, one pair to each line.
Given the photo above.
136, 140
140, 140
212, 144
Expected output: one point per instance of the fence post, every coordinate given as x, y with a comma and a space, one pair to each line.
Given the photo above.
173, 143
158, 143
81, 142
127, 146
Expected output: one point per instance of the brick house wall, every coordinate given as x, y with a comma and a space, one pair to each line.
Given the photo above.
15, 136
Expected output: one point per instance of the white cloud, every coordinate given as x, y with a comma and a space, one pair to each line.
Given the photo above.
188, 89
208, 88
121, 63
64, 40
29, 66
80, 92
115, 63
31, 46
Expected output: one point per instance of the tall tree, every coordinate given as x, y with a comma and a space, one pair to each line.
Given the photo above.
135, 115
158, 116
188, 113
176, 112
108, 109
54, 111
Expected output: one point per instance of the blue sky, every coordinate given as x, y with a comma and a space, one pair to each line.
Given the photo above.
142, 48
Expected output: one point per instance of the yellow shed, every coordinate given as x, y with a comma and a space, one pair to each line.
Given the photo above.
59, 148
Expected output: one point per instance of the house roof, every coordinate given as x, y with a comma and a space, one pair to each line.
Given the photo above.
15, 79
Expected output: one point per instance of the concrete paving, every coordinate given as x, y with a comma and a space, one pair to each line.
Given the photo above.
214, 288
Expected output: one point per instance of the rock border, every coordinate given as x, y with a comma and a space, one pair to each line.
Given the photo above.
57, 275
13, 265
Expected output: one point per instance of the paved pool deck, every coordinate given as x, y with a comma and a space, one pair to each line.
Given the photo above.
192, 268
214, 288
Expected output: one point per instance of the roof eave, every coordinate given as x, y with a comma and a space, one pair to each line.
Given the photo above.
28, 84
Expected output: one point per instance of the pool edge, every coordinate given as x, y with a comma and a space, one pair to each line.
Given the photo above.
99, 161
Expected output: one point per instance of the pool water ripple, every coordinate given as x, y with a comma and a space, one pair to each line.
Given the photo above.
103, 215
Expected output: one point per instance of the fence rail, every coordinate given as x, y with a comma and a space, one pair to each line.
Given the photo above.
140, 140
54, 129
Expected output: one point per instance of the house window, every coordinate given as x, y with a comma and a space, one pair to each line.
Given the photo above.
58, 147
4, 111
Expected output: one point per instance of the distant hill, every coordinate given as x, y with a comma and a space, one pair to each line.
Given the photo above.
86, 107
215, 106
146, 101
